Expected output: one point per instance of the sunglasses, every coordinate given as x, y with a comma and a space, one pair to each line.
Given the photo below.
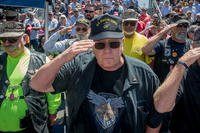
183, 25
81, 29
131, 23
87, 11
10, 40
101, 45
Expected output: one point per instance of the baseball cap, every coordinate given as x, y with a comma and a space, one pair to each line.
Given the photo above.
83, 21
179, 19
130, 15
11, 29
197, 34
106, 26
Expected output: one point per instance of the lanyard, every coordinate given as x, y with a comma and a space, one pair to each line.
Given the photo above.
17, 76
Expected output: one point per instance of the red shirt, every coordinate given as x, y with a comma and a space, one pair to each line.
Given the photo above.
140, 26
145, 18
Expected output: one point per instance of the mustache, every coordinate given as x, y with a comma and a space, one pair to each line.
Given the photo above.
10, 47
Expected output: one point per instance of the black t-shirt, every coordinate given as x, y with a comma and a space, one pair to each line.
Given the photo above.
103, 110
186, 114
167, 54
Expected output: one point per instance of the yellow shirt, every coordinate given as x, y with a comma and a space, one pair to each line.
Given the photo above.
133, 47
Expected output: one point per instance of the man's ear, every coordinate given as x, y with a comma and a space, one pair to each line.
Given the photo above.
26, 39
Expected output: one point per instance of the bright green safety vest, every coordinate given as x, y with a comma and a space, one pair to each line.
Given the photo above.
12, 111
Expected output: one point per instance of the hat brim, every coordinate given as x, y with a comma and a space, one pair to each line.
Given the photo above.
83, 24
182, 21
11, 34
107, 34
130, 19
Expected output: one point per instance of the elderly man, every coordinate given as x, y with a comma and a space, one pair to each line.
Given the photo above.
21, 108
106, 91
82, 28
180, 91
133, 41
168, 51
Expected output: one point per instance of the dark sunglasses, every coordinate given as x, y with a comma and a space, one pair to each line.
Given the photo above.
131, 23
183, 25
101, 45
10, 40
81, 29
87, 11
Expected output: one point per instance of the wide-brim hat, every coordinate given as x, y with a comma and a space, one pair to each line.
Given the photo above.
11, 29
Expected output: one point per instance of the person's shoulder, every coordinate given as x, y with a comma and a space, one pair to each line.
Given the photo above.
36, 20
3, 55
38, 55
137, 64
138, 35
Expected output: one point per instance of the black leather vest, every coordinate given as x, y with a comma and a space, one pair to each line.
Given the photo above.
36, 101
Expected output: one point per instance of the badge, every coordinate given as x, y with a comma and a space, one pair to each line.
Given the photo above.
1, 96
174, 54
7, 82
12, 96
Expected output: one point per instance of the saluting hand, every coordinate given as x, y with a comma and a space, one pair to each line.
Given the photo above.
77, 48
65, 30
191, 56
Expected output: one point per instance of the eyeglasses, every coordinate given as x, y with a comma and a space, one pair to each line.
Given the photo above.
131, 23
81, 29
183, 25
88, 11
101, 45
10, 40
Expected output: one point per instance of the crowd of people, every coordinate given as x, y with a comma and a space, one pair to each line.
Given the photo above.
108, 66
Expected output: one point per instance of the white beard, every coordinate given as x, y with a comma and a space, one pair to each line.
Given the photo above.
129, 33
181, 36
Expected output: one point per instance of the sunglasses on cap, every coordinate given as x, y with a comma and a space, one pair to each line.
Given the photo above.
88, 11
81, 29
131, 23
101, 45
183, 25
10, 40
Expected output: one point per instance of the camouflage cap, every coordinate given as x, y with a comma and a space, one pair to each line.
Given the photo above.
179, 18
130, 15
11, 29
83, 21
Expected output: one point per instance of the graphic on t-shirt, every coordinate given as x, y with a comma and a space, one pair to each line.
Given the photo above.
106, 108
